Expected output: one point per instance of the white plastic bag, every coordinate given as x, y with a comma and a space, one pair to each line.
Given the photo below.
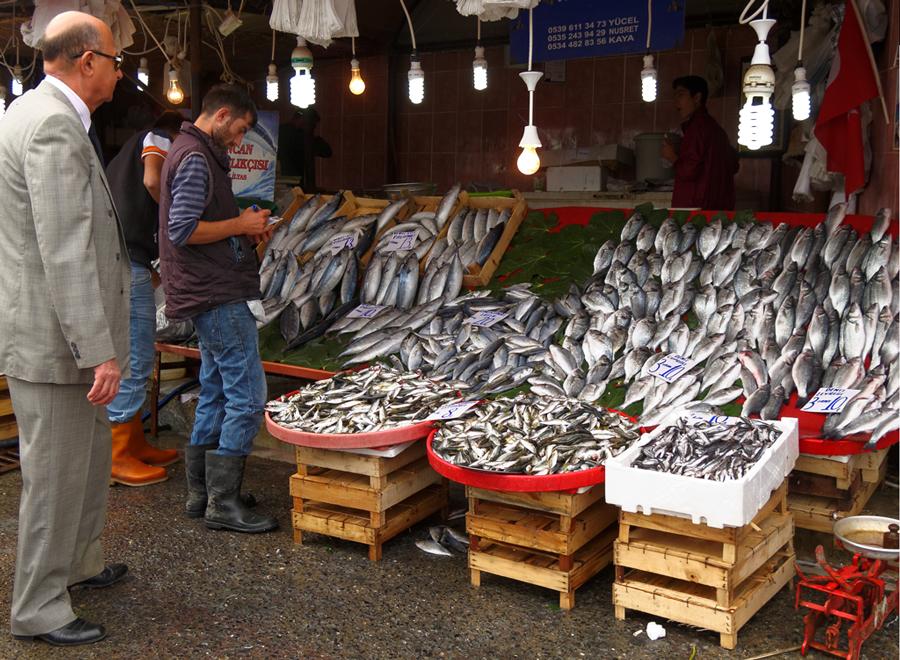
285, 16
110, 12
318, 21
477, 8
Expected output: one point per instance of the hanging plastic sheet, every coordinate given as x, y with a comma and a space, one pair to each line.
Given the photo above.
317, 21
110, 12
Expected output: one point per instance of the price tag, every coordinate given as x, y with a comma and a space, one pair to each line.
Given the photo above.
723, 420
829, 400
401, 240
451, 410
671, 367
365, 312
486, 318
342, 242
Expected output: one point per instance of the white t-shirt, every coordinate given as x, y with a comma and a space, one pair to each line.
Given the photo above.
156, 144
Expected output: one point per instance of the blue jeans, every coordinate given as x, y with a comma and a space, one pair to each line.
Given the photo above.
142, 324
232, 381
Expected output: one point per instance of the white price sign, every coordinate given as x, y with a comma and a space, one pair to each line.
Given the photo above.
671, 367
401, 240
451, 410
365, 312
342, 242
486, 318
829, 400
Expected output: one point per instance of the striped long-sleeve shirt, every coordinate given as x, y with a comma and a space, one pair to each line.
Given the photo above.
190, 193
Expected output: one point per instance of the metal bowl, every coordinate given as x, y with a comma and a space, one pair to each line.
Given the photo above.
862, 534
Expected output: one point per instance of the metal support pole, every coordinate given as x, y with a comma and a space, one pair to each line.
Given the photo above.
196, 56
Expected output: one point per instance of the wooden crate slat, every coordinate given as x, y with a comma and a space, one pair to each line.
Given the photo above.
6, 407
8, 428
820, 513
696, 560
696, 605
3, 386
540, 531
373, 466
565, 504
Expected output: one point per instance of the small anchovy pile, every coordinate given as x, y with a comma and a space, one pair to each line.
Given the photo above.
374, 399
537, 435
695, 448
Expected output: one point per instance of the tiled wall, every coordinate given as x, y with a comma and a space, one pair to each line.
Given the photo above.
459, 134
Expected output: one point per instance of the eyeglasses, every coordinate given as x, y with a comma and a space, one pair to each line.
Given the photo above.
117, 59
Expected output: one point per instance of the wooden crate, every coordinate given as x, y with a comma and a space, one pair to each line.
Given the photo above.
716, 579
366, 499
8, 427
553, 540
823, 489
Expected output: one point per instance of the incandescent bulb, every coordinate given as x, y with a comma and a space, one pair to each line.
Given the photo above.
800, 95
416, 81
143, 73
174, 93
648, 80
479, 69
272, 83
357, 84
528, 162
17, 81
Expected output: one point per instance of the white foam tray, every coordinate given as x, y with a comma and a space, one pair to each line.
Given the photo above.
732, 503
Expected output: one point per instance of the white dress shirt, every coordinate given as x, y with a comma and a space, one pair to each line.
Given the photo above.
80, 106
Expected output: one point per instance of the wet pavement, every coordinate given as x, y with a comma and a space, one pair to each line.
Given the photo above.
195, 593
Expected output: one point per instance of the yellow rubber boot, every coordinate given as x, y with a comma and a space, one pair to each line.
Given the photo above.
144, 451
126, 469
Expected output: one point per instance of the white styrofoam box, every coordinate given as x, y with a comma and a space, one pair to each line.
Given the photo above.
575, 177
731, 503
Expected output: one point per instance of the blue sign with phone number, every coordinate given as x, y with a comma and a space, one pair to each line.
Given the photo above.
567, 29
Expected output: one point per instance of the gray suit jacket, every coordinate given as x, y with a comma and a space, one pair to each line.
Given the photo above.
64, 273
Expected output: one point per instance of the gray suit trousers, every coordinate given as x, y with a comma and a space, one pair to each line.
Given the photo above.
66, 457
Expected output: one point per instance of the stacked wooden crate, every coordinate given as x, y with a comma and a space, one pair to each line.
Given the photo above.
824, 489
361, 498
716, 579
554, 540
9, 459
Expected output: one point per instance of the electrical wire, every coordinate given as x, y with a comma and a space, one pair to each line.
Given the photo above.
478, 29
649, 21
412, 33
147, 30
273, 46
530, 49
802, 26
352, 47
763, 9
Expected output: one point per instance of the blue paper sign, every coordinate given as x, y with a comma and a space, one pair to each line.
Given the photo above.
253, 162
567, 29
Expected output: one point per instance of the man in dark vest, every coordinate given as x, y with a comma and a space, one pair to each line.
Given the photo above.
209, 273
134, 180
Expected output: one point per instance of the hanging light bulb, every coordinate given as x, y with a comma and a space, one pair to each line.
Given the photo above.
174, 93
17, 81
648, 80
757, 118
416, 80
479, 69
303, 87
529, 162
272, 83
2, 101
800, 95
143, 72
357, 84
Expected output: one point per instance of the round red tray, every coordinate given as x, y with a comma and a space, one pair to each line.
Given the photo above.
373, 440
517, 483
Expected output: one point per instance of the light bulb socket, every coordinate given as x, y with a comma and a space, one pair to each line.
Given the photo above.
273, 73
530, 137
479, 53
800, 76
301, 56
759, 80
648, 63
531, 78
762, 26
354, 64
17, 73
415, 69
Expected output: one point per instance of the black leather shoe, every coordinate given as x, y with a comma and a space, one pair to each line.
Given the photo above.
108, 576
73, 634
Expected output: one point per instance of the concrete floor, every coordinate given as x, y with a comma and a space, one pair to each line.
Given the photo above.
196, 593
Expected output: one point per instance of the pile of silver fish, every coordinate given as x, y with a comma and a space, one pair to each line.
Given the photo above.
374, 399
392, 277
444, 541
531, 434
471, 238
704, 450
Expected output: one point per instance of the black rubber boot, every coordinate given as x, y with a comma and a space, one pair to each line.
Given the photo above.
225, 509
195, 470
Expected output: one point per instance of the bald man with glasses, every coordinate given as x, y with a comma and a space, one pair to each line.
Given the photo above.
64, 292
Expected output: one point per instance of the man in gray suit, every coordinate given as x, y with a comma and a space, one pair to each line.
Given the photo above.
64, 292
